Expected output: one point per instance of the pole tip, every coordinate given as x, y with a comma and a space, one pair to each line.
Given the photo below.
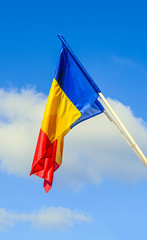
61, 38
59, 35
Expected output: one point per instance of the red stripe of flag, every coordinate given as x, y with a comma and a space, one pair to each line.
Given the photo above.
44, 163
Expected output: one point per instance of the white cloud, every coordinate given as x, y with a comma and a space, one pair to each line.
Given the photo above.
46, 218
20, 120
93, 150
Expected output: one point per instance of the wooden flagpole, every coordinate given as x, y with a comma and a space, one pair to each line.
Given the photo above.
127, 136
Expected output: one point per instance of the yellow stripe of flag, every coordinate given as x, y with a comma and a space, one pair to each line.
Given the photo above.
60, 113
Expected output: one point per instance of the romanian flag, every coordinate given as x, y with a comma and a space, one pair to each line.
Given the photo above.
72, 99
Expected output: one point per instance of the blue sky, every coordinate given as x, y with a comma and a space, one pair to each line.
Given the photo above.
100, 190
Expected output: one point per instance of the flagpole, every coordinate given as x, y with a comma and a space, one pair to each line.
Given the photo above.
123, 135
133, 144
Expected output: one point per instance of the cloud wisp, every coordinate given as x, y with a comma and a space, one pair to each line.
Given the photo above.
46, 218
124, 61
93, 150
